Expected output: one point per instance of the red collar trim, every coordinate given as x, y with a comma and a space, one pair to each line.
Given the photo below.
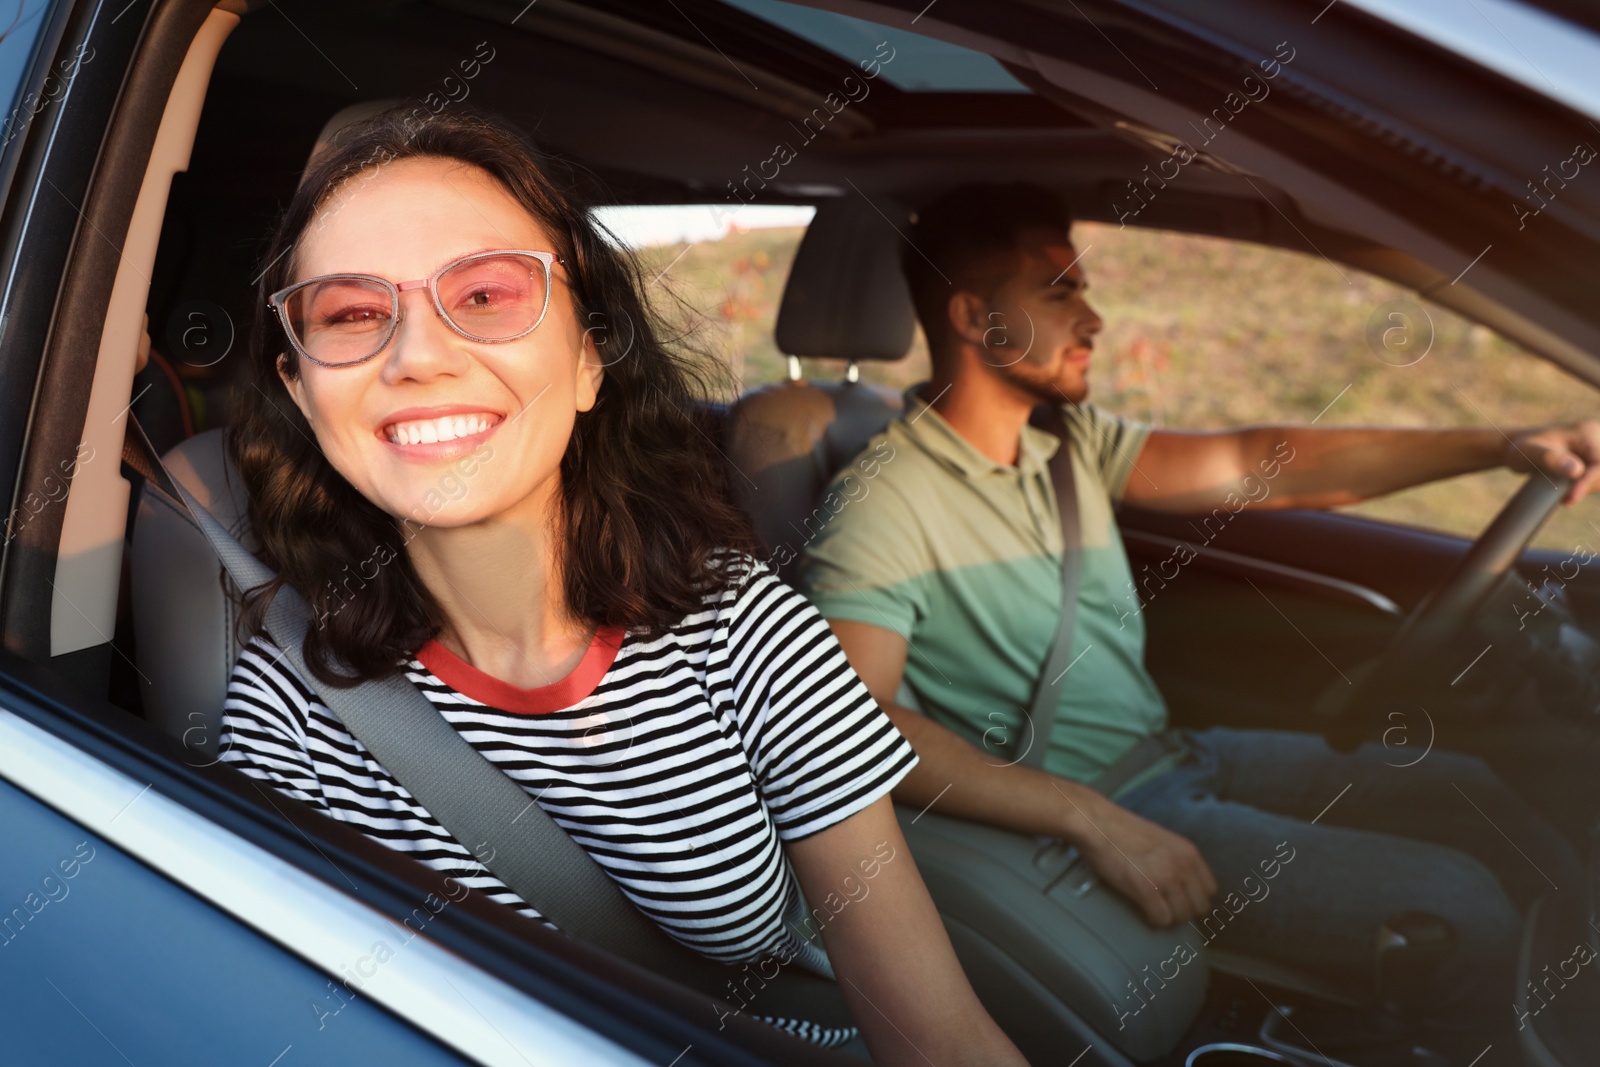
468, 680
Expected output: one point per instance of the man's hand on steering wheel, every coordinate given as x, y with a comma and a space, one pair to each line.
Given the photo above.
1571, 450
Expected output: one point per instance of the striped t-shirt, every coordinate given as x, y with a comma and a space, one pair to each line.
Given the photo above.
679, 763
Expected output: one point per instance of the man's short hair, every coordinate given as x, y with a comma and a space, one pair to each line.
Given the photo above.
961, 227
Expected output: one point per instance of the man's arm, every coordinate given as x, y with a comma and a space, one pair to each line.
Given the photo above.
1158, 870
1308, 467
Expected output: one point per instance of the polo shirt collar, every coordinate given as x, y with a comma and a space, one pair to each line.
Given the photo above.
933, 433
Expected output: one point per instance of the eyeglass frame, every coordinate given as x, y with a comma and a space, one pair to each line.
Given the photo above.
546, 259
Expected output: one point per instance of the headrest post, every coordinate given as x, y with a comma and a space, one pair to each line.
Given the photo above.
852, 373
795, 373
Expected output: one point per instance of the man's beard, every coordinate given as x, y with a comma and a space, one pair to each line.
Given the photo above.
1045, 391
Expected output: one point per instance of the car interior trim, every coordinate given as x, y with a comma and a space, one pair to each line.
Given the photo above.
95, 150
1532, 1046
1299, 578
322, 925
89, 557
667, 55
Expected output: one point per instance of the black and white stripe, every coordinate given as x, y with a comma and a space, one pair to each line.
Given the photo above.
695, 757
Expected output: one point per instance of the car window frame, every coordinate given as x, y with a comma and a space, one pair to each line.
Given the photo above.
65, 197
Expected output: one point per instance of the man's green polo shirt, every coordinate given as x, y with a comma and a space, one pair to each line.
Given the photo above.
962, 557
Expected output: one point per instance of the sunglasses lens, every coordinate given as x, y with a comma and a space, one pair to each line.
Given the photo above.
340, 320
494, 297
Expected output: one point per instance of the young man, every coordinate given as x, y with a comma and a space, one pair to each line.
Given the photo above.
948, 578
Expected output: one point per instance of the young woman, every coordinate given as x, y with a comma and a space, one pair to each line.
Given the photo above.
466, 448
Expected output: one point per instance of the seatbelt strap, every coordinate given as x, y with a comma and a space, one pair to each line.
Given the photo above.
481, 806
1138, 759
1035, 740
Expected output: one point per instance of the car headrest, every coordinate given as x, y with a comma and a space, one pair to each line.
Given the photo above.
342, 118
846, 297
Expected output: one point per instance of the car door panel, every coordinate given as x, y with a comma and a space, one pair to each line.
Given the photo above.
1280, 605
110, 962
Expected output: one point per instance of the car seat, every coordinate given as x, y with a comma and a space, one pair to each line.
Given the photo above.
845, 299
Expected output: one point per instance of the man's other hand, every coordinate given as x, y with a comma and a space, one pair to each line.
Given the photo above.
1572, 450
1161, 872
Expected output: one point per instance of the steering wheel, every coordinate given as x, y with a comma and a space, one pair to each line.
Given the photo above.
1440, 616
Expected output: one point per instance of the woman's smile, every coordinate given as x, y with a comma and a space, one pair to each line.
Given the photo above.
438, 434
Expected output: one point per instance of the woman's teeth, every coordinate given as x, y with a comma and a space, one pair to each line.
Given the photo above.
429, 431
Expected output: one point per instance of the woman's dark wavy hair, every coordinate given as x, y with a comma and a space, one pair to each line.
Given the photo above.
644, 504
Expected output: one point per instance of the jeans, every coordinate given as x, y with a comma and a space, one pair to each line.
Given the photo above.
1313, 849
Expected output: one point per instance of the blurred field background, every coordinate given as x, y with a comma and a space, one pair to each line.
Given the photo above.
1204, 334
